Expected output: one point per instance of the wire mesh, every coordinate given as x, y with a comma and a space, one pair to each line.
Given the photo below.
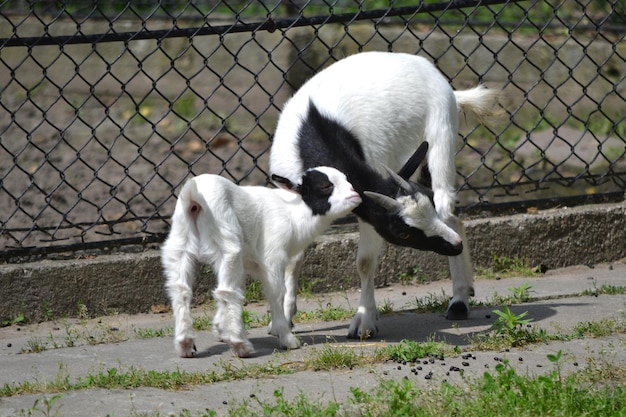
106, 108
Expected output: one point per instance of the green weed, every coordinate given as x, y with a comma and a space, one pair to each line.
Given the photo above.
148, 333
501, 392
521, 294
511, 330
19, 320
412, 351
416, 275
503, 266
328, 312
254, 291
599, 328
605, 289
301, 405
333, 357
386, 307
432, 302
44, 406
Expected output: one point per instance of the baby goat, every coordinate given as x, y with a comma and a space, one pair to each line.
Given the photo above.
243, 230
373, 109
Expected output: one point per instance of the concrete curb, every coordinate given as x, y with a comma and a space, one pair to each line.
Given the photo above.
133, 282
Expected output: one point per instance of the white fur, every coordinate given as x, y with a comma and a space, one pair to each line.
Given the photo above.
392, 102
241, 230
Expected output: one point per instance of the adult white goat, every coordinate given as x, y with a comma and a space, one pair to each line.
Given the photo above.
246, 229
373, 109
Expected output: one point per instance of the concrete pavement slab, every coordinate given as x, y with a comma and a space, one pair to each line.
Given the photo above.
73, 349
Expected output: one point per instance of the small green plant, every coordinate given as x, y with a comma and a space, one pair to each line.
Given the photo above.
511, 330
301, 405
47, 313
103, 332
599, 328
416, 275
555, 358
18, 320
412, 351
306, 286
71, 335
45, 406
333, 357
432, 302
521, 294
35, 345
505, 266
83, 312
254, 291
508, 322
202, 323
386, 307
148, 333
604, 289
328, 312
248, 318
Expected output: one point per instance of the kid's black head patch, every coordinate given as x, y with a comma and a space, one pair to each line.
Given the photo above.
316, 190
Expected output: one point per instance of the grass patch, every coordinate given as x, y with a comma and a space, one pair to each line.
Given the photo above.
333, 357
328, 312
503, 266
148, 333
415, 276
516, 330
408, 351
501, 392
600, 328
134, 377
605, 289
434, 303
19, 320
254, 291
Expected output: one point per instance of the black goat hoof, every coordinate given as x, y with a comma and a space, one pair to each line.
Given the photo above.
457, 311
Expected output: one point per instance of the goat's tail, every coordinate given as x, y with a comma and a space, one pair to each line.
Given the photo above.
480, 101
178, 252
183, 236
190, 200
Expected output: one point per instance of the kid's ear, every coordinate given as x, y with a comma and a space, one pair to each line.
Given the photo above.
284, 183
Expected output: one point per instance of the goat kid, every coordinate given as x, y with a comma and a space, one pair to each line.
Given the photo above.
373, 109
243, 230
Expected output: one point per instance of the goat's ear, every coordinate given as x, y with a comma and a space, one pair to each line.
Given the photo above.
284, 183
414, 161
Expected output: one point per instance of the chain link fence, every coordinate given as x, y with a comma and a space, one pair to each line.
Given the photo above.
107, 107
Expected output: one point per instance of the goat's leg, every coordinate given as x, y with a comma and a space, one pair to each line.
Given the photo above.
363, 324
274, 285
462, 274
180, 271
228, 322
292, 272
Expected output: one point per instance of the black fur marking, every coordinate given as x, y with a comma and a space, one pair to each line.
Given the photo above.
315, 189
324, 141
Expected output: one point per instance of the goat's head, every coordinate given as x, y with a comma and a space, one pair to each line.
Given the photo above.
325, 190
411, 217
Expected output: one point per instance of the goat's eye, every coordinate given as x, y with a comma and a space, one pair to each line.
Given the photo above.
328, 189
404, 235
